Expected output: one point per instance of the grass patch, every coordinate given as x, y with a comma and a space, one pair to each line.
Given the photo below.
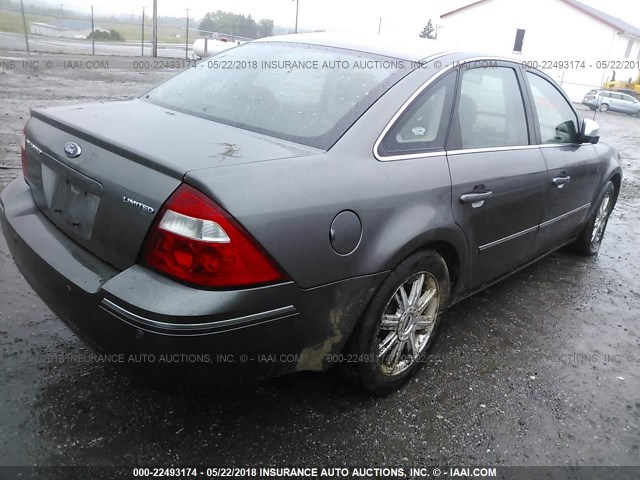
12, 22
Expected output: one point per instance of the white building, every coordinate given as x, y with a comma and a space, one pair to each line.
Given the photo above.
548, 31
45, 29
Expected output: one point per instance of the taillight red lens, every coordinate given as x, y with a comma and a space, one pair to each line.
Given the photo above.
23, 154
196, 241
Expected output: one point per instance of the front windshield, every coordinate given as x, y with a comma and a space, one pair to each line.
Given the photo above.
306, 94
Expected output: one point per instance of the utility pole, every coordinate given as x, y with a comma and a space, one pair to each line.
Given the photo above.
93, 34
142, 48
24, 24
297, 5
186, 43
379, 25
155, 29
61, 14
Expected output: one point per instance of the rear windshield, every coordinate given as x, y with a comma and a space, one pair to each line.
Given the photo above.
305, 94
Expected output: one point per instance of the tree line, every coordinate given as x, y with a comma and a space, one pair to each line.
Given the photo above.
234, 24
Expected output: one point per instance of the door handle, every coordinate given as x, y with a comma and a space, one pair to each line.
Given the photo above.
560, 181
475, 197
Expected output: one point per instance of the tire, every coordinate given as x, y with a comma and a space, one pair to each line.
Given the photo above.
604, 107
590, 239
386, 359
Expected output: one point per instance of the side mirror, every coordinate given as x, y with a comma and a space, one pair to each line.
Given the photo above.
589, 131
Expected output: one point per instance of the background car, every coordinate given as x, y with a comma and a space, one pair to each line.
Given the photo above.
615, 101
332, 198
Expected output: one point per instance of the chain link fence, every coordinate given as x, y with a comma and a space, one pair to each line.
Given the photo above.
45, 30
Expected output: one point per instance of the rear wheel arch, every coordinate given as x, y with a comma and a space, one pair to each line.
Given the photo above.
451, 257
365, 342
450, 248
451, 254
445, 248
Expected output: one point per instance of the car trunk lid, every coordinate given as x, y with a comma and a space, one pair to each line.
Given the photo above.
132, 156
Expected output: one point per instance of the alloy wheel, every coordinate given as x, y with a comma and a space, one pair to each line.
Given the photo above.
407, 323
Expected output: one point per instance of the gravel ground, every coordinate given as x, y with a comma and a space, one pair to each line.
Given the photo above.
543, 369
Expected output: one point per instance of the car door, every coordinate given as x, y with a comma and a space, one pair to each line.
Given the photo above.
498, 177
603, 98
635, 105
617, 103
629, 103
572, 167
621, 104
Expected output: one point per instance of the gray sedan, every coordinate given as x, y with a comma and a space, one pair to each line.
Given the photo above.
302, 202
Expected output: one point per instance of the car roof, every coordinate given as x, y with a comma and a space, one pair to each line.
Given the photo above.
404, 49
410, 49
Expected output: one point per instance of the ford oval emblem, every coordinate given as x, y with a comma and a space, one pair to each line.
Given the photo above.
72, 150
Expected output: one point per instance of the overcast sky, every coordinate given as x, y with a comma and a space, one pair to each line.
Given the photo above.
399, 17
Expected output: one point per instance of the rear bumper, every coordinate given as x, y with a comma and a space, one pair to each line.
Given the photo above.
264, 331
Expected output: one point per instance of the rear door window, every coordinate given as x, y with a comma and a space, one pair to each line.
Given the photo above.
491, 109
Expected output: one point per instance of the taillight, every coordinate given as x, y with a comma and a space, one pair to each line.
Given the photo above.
23, 154
195, 241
